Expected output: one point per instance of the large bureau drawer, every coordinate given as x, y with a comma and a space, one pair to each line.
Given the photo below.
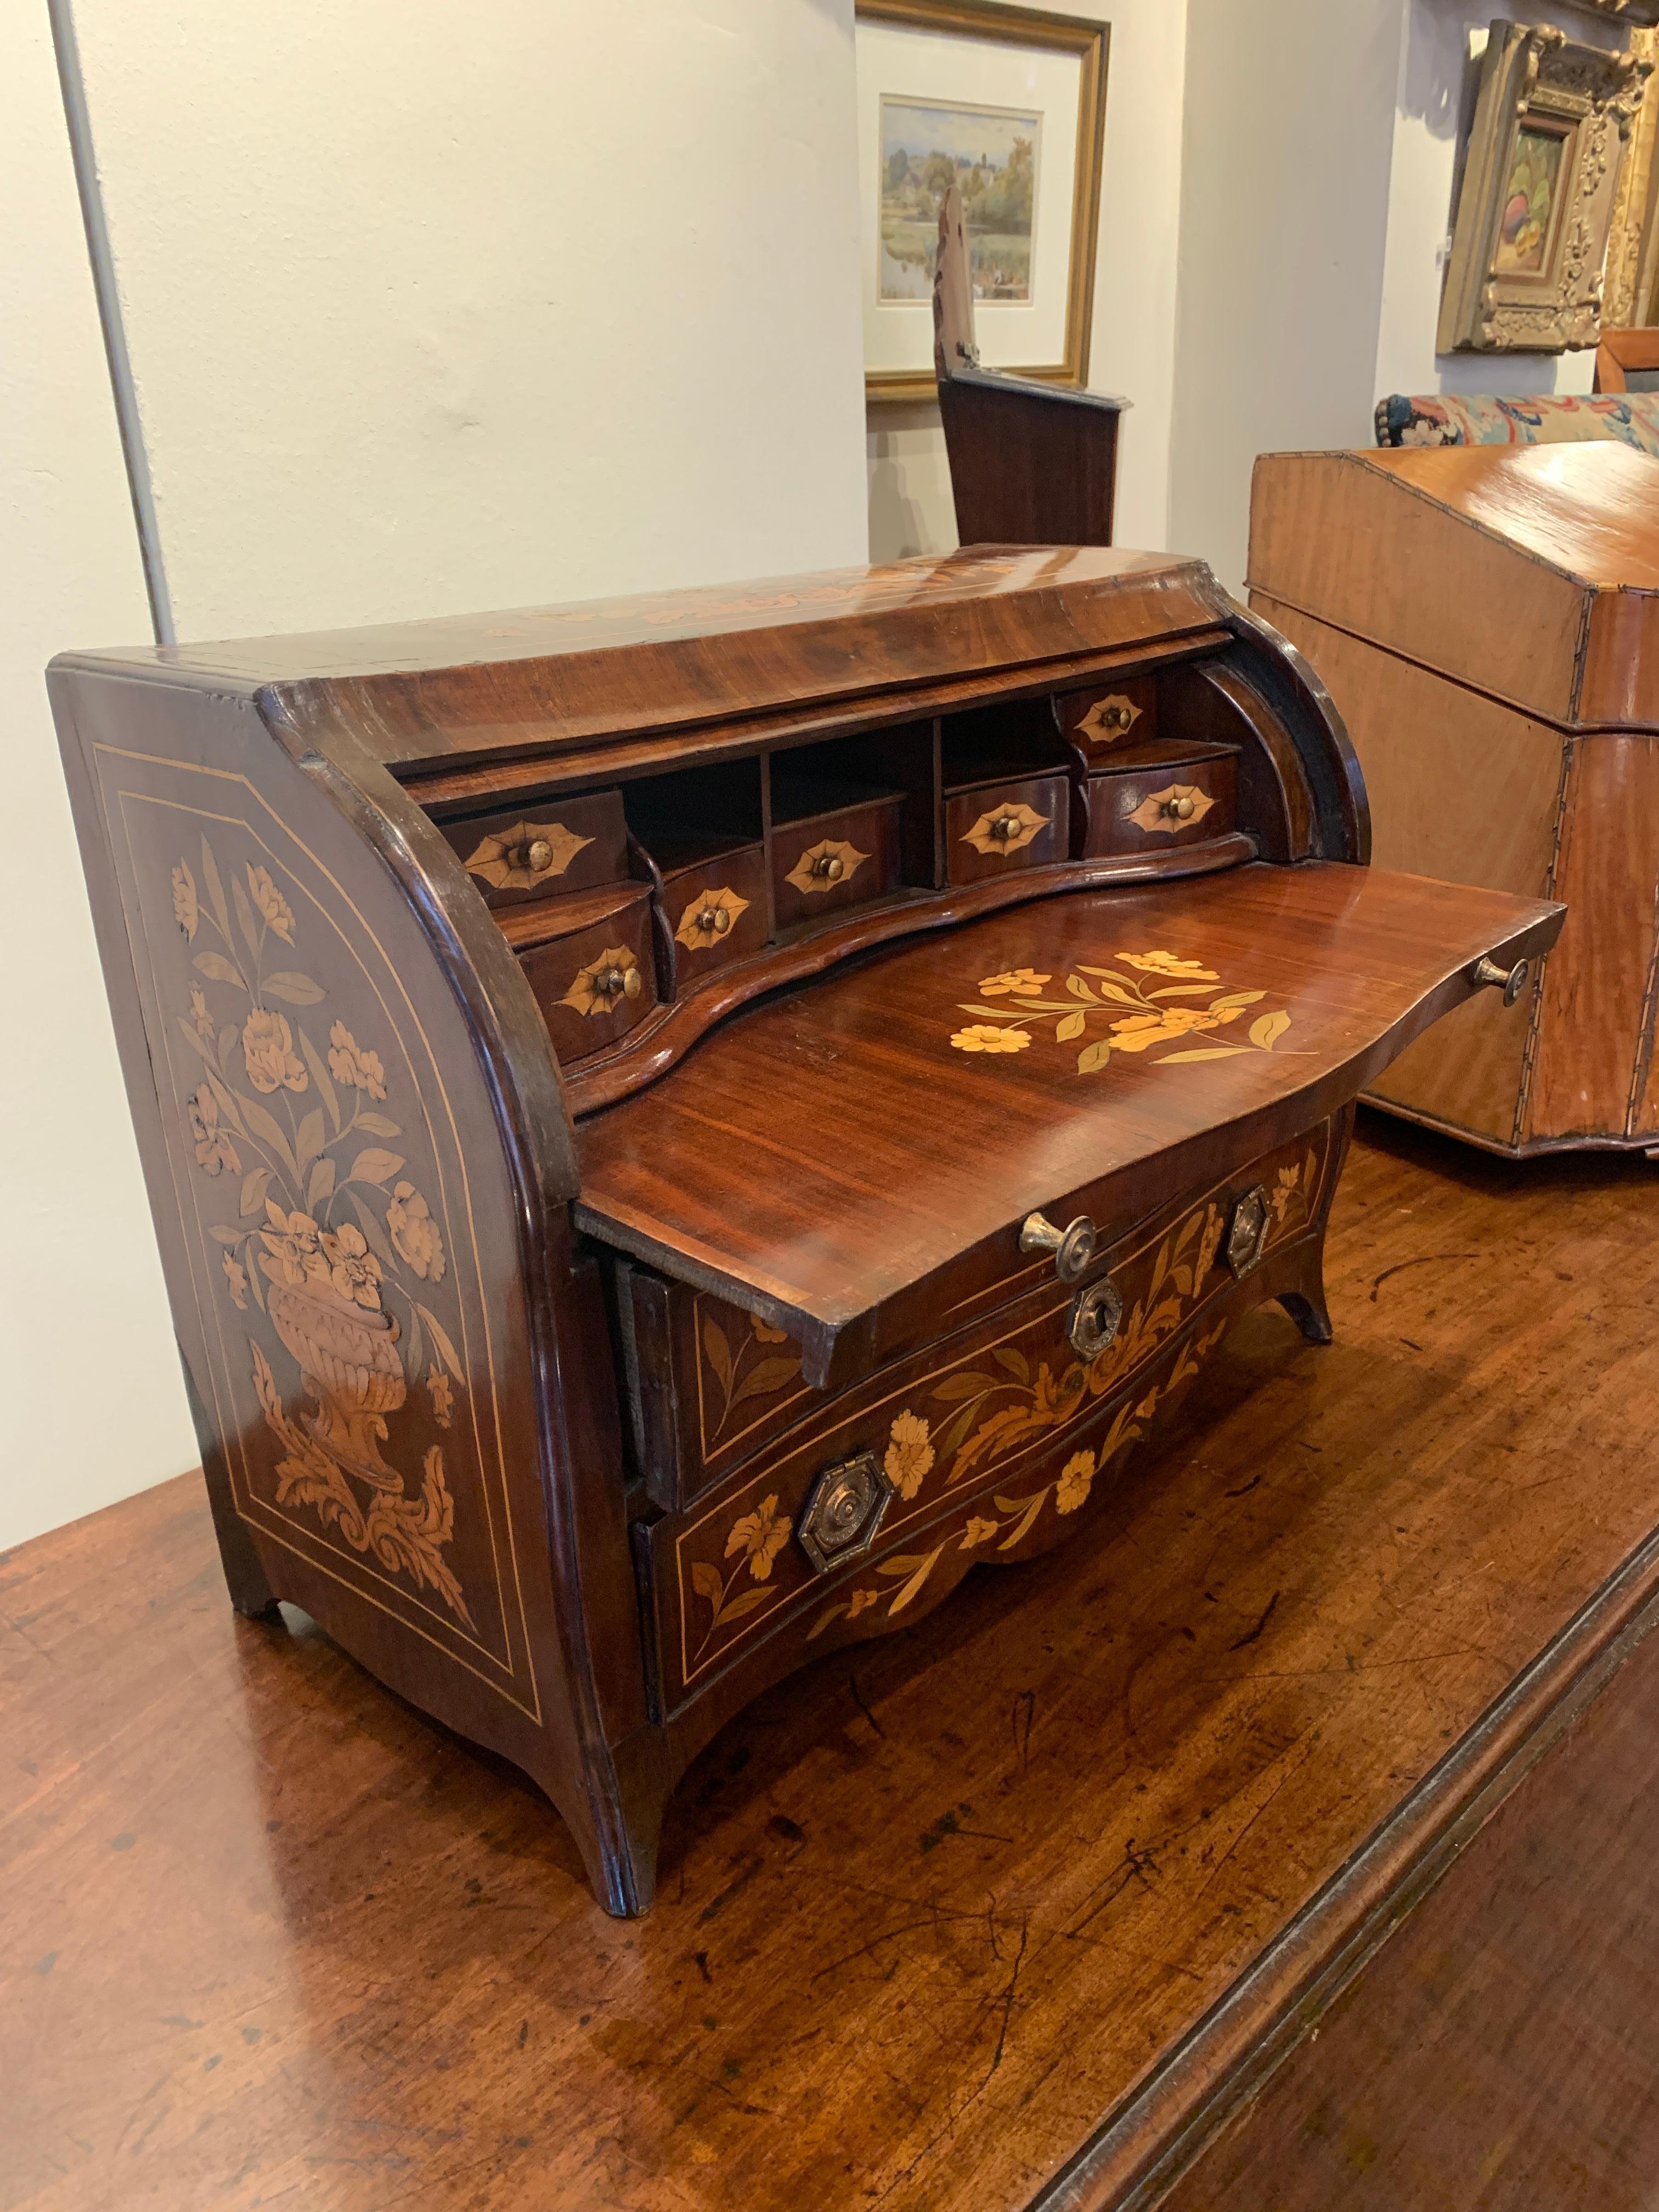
959, 1424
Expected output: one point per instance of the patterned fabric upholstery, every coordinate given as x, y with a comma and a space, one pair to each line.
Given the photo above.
1457, 419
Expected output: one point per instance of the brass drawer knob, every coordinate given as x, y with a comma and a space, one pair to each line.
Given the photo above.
717, 918
1005, 827
614, 982
843, 1512
828, 866
1094, 1319
1179, 809
538, 856
1512, 982
1074, 1247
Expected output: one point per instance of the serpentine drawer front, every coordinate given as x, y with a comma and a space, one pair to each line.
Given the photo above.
966, 1446
712, 1387
669, 1144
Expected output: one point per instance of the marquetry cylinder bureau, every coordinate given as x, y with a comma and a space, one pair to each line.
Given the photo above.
679, 1127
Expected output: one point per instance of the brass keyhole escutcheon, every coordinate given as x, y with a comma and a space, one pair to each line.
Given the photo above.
844, 1510
1094, 1319
828, 867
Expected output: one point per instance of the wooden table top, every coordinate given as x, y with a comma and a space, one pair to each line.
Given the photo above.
930, 1909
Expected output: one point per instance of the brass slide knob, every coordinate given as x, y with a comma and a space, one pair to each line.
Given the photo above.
1074, 1247
1512, 982
614, 982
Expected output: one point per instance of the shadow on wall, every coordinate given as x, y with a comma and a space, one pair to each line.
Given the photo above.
896, 524
911, 509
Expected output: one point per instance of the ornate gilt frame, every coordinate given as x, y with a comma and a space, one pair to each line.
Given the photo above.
1532, 75
1024, 26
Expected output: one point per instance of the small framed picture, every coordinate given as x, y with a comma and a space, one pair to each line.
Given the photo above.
1009, 105
1536, 205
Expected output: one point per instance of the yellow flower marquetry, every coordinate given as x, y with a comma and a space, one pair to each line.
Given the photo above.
528, 854
414, 1233
977, 1531
979, 1037
214, 1150
351, 1066
821, 868
709, 918
1075, 1478
601, 987
910, 1455
186, 909
1145, 1001
278, 914
758, 1537
1169, 965
1006, 828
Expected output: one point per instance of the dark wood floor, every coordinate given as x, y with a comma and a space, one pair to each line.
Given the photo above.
931, 1911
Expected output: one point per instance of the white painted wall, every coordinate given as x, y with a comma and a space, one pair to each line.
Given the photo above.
432, 311
94, 1406
1132, 343
1290, 122
425, 314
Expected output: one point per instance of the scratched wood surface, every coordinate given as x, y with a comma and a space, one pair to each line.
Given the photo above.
1501, 2052
927, 1911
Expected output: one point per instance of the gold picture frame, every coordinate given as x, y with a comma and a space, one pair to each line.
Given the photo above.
990, 23
1552, 123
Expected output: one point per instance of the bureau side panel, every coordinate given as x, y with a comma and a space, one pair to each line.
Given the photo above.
1465, 789
343, 1236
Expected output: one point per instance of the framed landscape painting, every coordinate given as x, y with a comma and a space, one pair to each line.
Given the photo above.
1008, 105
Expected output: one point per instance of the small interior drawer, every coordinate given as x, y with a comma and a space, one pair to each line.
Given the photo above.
716, 906
831, 849
1178, 800
1109, 715
996, 824
544, 848
597, 978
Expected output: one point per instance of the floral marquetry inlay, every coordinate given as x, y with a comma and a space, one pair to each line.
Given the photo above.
972, 1425
322, 1234
1133, 1007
